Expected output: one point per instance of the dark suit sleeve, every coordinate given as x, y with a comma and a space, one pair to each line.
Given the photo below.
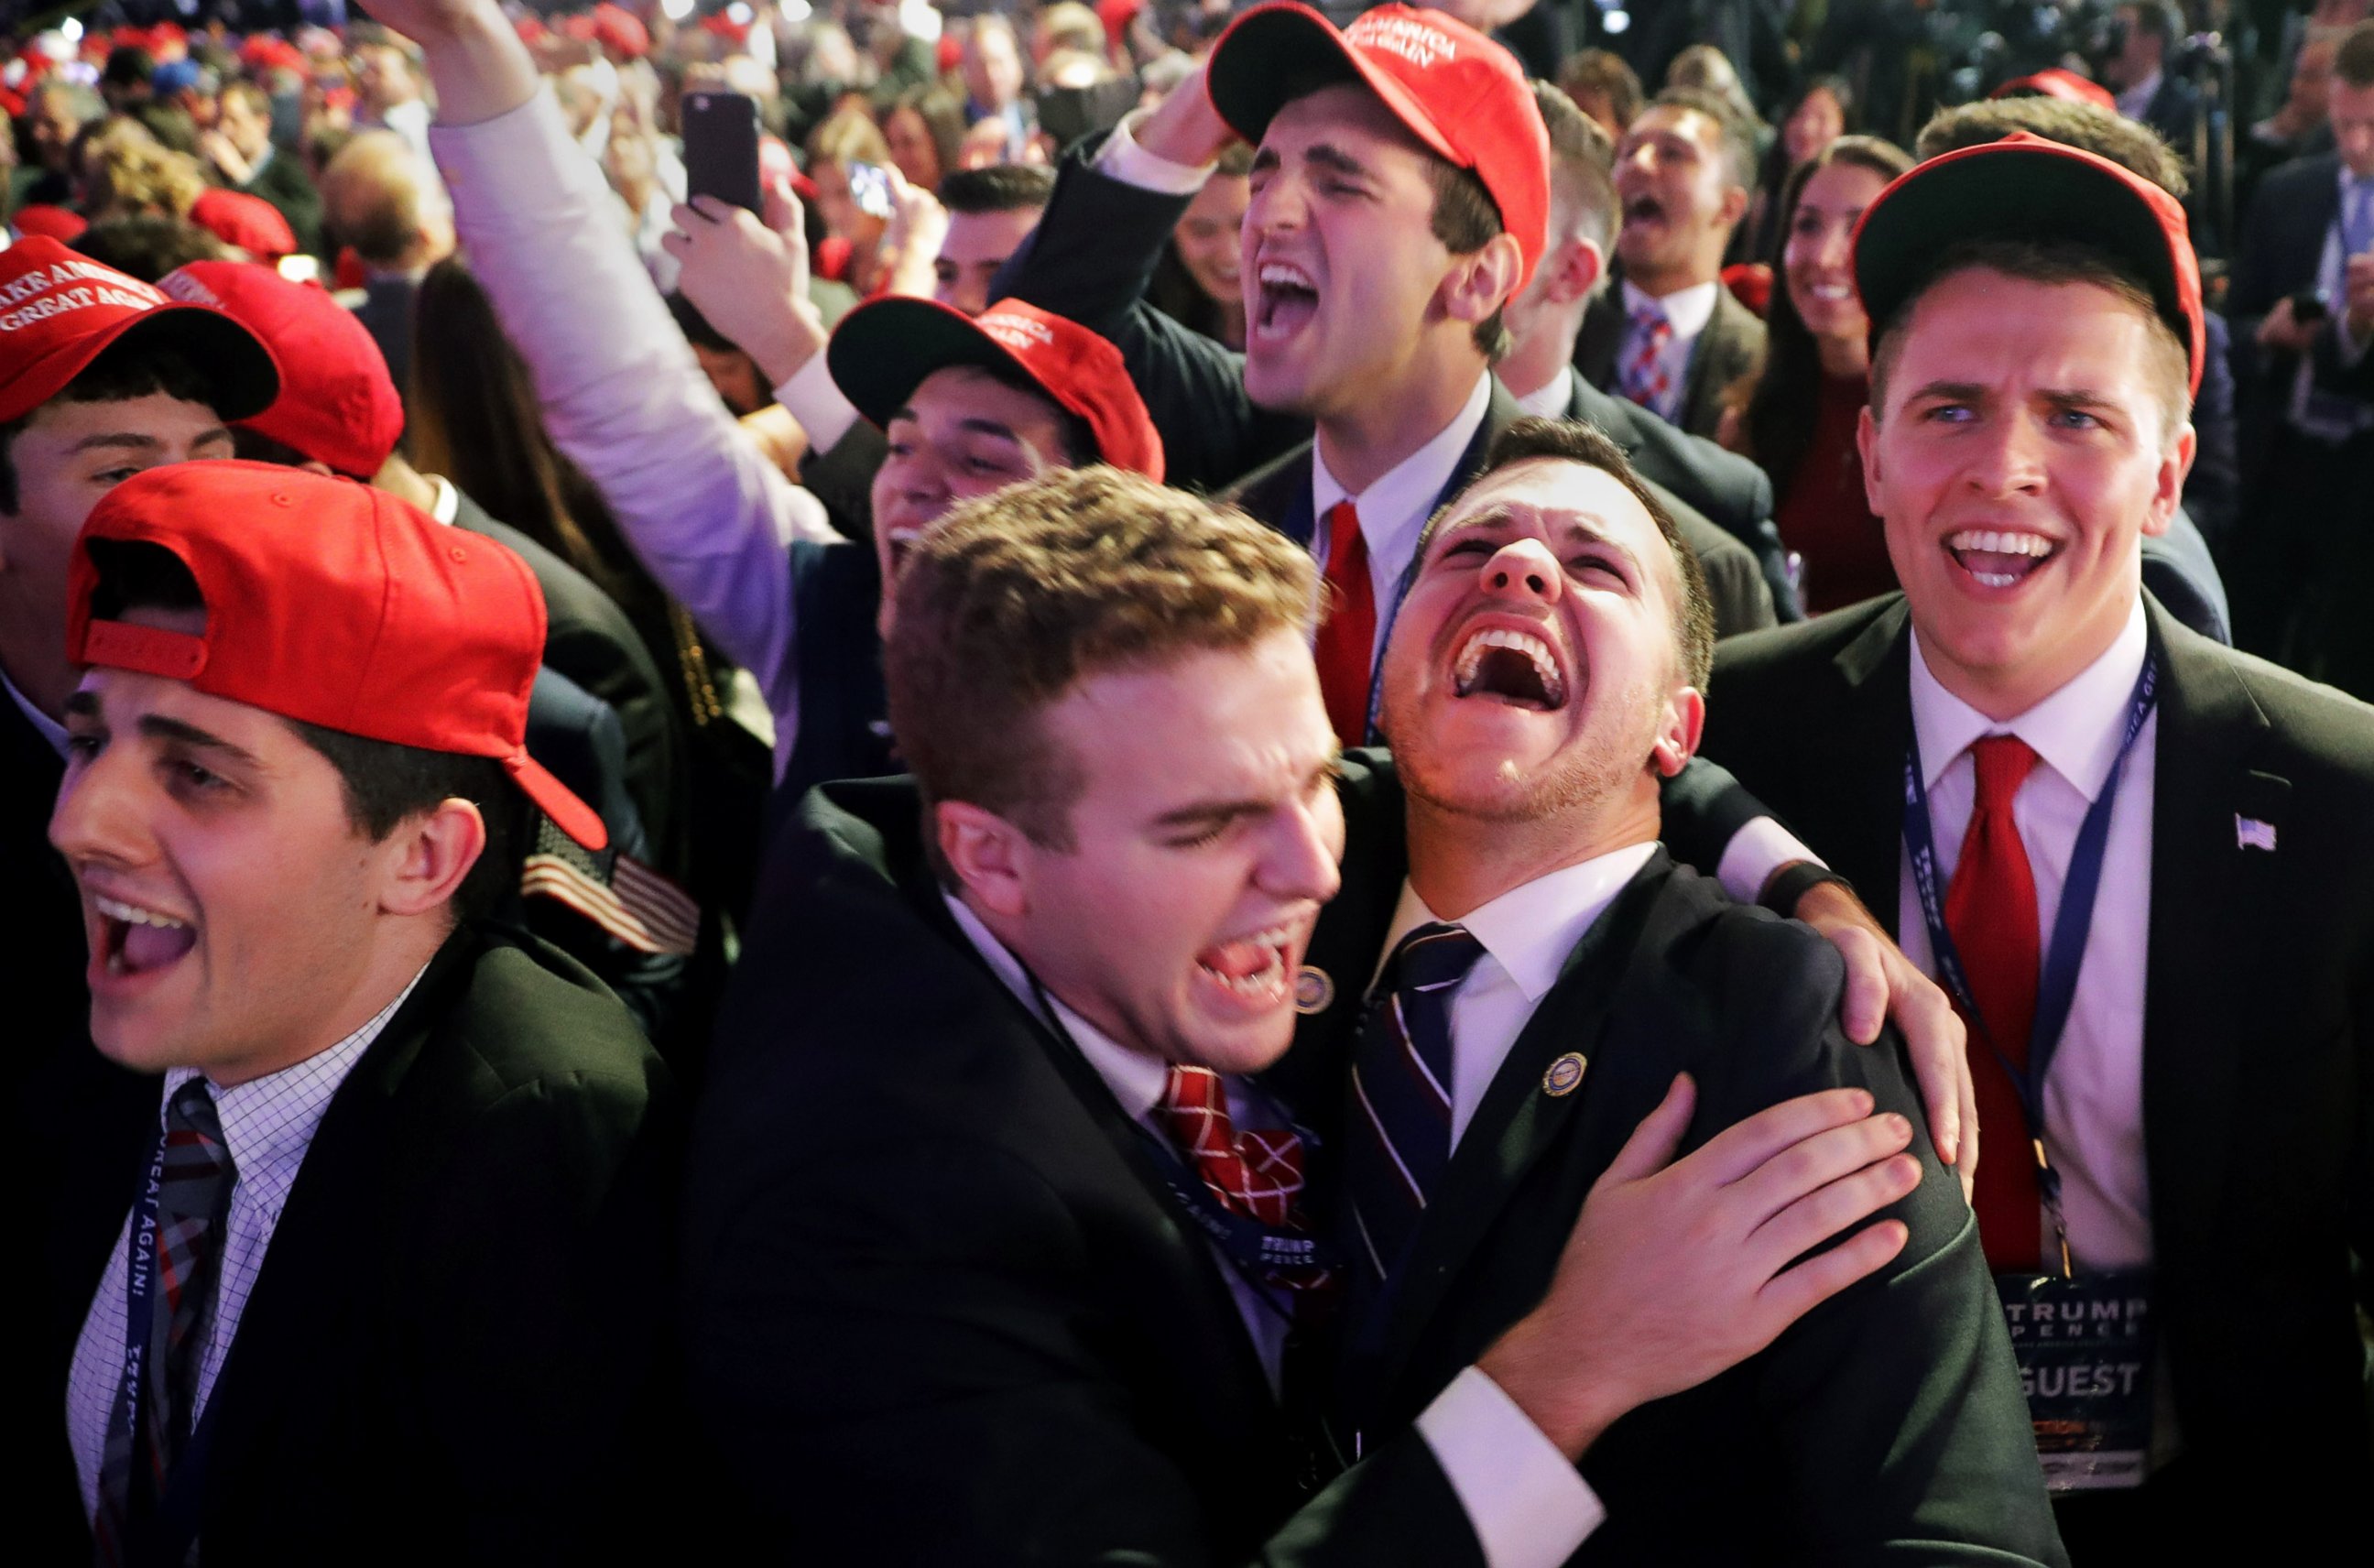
1896, 1404
1704, 808
842, 477
893, 1348
1091, 259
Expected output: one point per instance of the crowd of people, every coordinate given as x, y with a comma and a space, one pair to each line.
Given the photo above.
1248, 783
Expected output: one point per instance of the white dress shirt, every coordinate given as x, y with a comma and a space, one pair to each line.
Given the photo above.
2093, 1094
1687, 311
267, 1124
1526, 933
2135, 103
1549, 400
1529, 1508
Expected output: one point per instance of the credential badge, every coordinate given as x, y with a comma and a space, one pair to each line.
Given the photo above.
1313, 992
1563, 1075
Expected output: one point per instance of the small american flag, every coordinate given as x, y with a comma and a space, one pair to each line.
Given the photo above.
620, 894
2252, 833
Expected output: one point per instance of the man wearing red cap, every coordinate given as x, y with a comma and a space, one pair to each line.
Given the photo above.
2141, 861
394, 1281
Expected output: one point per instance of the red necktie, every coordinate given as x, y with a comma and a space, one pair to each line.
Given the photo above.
1257, 1174
1990, 914
1345, 648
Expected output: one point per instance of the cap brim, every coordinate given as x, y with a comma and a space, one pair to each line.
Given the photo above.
2041, 191
245, 379
883, 349
1271, 55
558, 801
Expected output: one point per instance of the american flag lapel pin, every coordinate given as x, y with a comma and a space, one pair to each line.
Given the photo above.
2252, 833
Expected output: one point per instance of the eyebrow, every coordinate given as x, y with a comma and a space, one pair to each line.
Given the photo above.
2083, 397
136, 440
991, 428
1587, 527
1204, 811
156, 727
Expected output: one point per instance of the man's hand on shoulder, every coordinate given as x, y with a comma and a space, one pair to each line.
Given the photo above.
1677, 1270
1883, 985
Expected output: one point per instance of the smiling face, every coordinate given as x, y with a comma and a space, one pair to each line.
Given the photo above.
1818, 254
2021, 452
1679, 199
1207, 236
963, 433
232, 907
1534, 670
977, 244
1210, 777
1341, 270
1818, 122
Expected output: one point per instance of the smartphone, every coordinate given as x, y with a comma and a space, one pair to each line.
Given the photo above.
869, 187
721, 148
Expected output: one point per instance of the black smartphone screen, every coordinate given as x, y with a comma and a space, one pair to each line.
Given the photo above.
721, 148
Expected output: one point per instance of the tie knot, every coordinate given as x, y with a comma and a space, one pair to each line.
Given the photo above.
1651, 318
1434, 957
1197, 1091
2002, 763
191, 1110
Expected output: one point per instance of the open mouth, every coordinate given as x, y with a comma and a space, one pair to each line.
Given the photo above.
1255, 968
135, 940
1999, 559
903, 545
1831, 293
1285, 298
1511, 666
1643, 209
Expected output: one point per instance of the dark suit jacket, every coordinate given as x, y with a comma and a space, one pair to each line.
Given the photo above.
940, 1306
1887, 1417
2258, 1023
1730, 346
385, 311
452, 1351
2282, 246
1731, 492
284, 182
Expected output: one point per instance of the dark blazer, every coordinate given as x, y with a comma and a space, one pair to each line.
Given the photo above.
453, 1351
2257, 1022
284, 182
1279, 493
1731, 492
2282, 246
940, 1306
1729, 348
385, 311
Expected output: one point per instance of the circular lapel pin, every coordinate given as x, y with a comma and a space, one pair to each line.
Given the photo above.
1564, 1073
1313, 992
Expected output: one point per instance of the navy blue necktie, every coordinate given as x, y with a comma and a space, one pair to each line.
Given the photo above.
1399, 1138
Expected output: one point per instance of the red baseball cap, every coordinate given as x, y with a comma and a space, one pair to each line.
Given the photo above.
1462, 95
63, 224
249, 222
59, 311
2058, 82
336, 605
883, 349
338, 403
2025, 188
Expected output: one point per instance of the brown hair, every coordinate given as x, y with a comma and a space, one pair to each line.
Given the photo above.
1011, 600
1582, 167
2134, 147
1599, 71
1571, 440
2354, 61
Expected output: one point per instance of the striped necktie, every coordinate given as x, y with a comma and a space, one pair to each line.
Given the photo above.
1398, 1140
193, 1200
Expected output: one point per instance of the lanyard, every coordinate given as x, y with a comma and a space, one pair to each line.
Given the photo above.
176, 1518
2071, 923
1270, 1258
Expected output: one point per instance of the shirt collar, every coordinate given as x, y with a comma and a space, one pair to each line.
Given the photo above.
2076, 730
1530, 930
2136, 101
1135, 1079
1397, 503
1550, 400
1688, 310
268, 1122
449, 500
48, 728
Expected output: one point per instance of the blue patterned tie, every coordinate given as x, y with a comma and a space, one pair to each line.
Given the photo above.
192, 1202
1399, 1138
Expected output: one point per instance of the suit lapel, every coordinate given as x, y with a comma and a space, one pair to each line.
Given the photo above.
1517, 1122
1860, 760
2211, 901
1601, 336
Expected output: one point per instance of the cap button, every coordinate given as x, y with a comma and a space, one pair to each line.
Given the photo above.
282, 498
458, 553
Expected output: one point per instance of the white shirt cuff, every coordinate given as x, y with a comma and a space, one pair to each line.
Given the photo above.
1529, 1506
1754, 853
1122, 158
812, 399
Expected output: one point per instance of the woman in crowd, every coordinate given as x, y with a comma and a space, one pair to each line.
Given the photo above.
1197, 283
924, 130
848, 160
1798, 419
1822, 111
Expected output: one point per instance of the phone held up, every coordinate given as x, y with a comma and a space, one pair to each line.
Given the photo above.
721, 148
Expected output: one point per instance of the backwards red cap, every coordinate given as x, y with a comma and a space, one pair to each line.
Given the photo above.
882, 351
336, 605
1462, 95
2025, 188
338, 403
59, 311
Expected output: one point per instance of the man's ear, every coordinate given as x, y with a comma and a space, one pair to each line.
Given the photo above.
1734, 206
1573, 270
1867, 448
428, 855
1677, 742
987, 854
1480, 284
2169, 493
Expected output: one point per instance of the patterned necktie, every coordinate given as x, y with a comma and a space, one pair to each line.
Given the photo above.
1345, 646
1398, 1136
1256, 1173
1644, 379
1990, 914
192, 1201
